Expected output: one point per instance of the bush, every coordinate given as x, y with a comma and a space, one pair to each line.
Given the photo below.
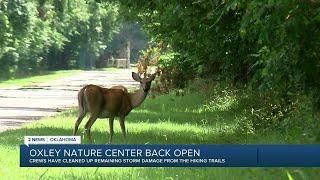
254, 111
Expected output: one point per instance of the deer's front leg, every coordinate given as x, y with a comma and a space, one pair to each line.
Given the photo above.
111, 119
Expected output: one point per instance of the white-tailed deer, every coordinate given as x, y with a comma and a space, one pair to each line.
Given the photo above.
110, 103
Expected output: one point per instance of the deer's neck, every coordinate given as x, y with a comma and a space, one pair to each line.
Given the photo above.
137, 97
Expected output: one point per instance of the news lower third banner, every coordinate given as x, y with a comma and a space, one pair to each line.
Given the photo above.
71, 155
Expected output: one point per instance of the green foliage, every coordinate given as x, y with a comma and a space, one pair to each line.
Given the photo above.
245, 125
270, 45
45, 35
176, 71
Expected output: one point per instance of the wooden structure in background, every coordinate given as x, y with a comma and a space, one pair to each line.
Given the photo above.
123, 58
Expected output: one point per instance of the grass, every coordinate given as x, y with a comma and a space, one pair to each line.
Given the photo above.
108, 69
45, 77
48, 76
167, 119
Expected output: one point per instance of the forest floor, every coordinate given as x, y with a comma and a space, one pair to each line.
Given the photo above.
28, 99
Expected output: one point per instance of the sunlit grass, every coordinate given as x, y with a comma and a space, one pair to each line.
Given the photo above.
26, 81
45, 77
166, 119
223, 102
109, 69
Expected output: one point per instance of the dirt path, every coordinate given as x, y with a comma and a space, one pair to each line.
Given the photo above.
22, 105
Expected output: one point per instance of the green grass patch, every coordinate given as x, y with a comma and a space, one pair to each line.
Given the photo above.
44, 77
48, 76
108, 69
167, 119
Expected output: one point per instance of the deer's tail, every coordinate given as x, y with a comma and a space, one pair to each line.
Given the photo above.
81, 102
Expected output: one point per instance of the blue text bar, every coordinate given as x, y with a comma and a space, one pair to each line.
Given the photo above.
170, 155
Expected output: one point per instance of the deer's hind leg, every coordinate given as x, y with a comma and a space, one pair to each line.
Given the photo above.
94, 101
81, 114
87, 130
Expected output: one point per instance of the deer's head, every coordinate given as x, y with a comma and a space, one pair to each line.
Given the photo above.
145, 83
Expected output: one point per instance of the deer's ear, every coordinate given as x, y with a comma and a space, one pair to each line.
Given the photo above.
136, 77
151, 78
